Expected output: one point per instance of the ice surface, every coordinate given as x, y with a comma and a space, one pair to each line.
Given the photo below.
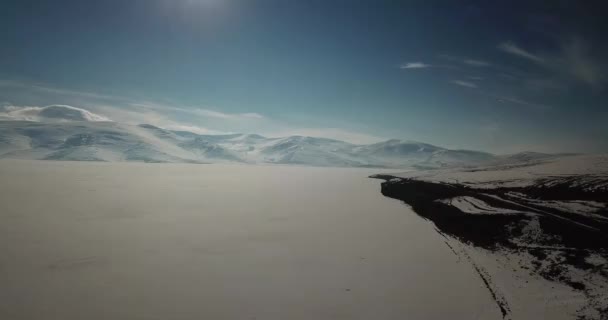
94, 240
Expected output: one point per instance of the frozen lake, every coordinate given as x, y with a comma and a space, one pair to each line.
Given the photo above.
173, 241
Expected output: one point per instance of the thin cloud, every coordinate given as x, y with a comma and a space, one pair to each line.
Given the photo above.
542, 84
330, 133
466, 61
49, 113
508, 76
574, 61
143, 115
464, 84
222, 115
476, 63
502, 98
415, 65
59, 91
192, 128
533, 105
512, 48
207, 113
251, 115
94, 99
576, 55
170, 116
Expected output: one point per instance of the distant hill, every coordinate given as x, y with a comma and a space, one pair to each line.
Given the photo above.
87, 140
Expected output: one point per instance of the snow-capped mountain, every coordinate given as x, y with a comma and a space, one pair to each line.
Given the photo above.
68, 133
398, 153
52, 113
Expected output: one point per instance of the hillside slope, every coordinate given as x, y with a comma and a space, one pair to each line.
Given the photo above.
65, 139
542, 220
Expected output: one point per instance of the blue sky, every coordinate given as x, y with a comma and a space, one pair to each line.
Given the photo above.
497, 76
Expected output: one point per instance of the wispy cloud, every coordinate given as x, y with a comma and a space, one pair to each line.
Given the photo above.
141, 115
48, 113
331, 133
58, 91
415, 65
512, 48
463, 83
476, 63
207, 113
93, 99
466, 61
192, 128
508, 76
542, 84
575, 52
573, 61
537, 106
222, 115
171, 116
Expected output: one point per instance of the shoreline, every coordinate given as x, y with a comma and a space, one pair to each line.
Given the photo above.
561, 247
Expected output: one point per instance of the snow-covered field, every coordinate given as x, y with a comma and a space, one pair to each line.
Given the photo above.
588, 171
542, 218
94, 240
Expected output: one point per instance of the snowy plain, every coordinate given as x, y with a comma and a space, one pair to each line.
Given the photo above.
93, 240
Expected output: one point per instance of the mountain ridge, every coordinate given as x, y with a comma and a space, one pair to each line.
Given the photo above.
112, 141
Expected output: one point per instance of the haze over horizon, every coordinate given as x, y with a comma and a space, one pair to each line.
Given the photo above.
500, 78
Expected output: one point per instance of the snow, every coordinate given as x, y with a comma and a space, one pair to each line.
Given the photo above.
583, 207
49, 113
590, 171
597, 260
539, 272
83, 136
528, 296
473, 205
91, 240
587, 172
532, 297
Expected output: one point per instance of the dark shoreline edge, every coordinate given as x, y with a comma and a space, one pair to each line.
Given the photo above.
567, 241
